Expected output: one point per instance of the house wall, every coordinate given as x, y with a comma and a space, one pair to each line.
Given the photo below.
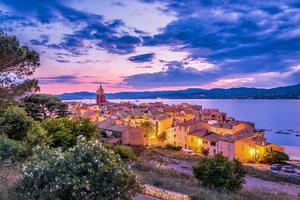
194, 143
177, 136
226, 148
134, 136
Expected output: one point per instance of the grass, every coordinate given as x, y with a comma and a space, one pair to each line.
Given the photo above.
270, 176
183, 183
8, 177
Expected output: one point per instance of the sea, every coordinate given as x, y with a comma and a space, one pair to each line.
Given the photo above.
280, 118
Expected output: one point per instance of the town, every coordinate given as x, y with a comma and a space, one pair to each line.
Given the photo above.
193, 129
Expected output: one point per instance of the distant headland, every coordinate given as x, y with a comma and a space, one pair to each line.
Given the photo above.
288, 92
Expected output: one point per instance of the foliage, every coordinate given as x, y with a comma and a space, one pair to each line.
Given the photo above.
148, 128
271, 176
43, 106
37, 136
173, 147
274, 157
221, 173
186, 184
87, 171
16, 64
11, 150
125, 153
64, 131
15, 123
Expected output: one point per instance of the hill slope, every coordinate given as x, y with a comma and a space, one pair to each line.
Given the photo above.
289, 92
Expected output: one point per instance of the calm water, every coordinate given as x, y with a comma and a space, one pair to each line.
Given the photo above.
274, 115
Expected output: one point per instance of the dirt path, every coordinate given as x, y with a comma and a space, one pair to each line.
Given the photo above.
270, 186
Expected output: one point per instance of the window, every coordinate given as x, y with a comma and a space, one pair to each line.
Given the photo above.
228, 147
213, 143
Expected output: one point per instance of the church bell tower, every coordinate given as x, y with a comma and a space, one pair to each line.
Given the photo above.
100, 96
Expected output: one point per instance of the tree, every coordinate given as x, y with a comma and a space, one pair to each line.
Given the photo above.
87, 171
148, 128
43, 106
274, 157
64, 131
15, 123
16, 64
221, 173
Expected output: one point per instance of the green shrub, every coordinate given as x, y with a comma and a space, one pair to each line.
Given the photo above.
221, 173
173, 147
125, 153
86, 171
64, 131
15, 123
274, 157
11, 149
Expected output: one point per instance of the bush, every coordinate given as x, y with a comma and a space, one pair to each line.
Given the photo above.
220, 173
15, 123
173, 147
11, 150
87, 171
125, 153
274, 157
64, 131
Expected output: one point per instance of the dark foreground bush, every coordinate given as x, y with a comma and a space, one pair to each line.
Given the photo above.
11, 150
221, 173
87, 171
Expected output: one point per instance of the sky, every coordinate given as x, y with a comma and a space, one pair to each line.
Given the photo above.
137, 45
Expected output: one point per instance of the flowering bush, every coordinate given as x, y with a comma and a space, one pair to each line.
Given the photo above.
86, 171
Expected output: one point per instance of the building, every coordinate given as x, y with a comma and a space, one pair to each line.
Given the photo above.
100, 96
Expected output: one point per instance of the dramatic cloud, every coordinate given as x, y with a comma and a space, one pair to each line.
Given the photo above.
238, 37
175, 74
147, 57
189, 43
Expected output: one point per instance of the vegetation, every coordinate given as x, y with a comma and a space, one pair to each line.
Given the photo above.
271, 176
148, 129
174, 181
87, 171
274, 157
64, 131
15, 123
43, 106
125, 153
11, 150
16, 64
221, 173
173, 147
